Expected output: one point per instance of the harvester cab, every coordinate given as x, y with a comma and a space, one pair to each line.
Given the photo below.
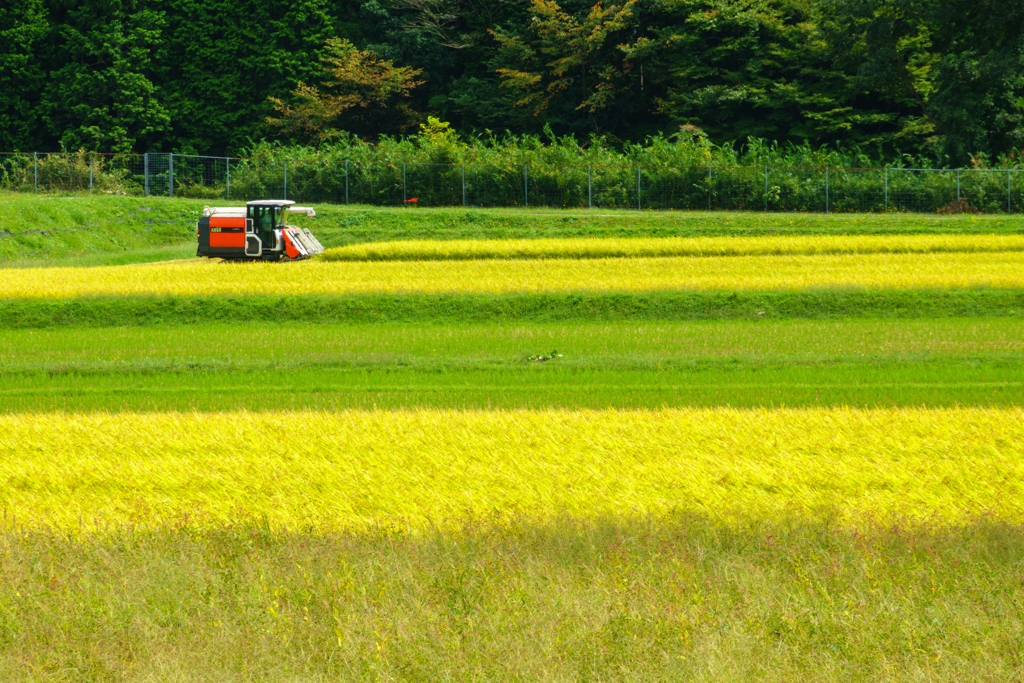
256, 231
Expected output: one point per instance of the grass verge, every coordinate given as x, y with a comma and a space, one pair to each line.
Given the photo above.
818, 304
94, 230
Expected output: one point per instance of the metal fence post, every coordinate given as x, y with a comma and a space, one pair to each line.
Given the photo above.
145, 171
526, 186
227, 176
590, 190
886, 190
958, 190
826, 190
463, 184
35, 156
170, 175
639, 206
710, 180
1009, 195
346, 182
766, 187
92, 161
285, 179
404, 195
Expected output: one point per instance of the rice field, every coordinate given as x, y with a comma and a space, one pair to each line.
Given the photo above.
429, 468
494, 276
635, 247
775, 483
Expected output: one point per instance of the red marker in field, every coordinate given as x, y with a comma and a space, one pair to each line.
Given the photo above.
411, 201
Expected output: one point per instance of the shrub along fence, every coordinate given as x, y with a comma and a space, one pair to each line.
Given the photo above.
749, 188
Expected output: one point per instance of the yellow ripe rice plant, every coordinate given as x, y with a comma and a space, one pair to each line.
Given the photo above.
634, 247
495, 276
418, 468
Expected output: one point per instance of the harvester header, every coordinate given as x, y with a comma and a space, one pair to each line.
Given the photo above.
256, 231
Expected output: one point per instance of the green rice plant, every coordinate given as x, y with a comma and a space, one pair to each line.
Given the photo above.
630, 344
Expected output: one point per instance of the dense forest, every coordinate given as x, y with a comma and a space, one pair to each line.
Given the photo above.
936, 79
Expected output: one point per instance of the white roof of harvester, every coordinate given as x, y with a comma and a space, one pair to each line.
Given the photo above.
270, 202
284, 204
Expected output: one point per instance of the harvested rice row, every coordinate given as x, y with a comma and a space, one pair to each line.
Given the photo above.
353, 469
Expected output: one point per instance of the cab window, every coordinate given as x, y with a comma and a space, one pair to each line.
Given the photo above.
263, 217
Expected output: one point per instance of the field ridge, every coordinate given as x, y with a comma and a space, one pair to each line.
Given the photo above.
815, 304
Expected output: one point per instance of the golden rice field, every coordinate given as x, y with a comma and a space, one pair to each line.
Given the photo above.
1004, 269
423, 468
635, 247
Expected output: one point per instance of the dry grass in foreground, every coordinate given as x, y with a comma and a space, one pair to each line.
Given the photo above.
676, 599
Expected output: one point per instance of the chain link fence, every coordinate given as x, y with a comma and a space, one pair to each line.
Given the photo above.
747, 188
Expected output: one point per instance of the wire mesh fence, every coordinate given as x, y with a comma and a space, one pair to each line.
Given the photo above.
710, 188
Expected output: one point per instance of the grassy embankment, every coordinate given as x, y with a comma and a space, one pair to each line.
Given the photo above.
826, 543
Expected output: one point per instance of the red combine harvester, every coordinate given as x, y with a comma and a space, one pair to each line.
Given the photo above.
255, 232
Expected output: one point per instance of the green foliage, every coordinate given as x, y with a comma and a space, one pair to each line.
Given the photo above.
23, 30
978, 102
683, 171
66, 172
941, 80
442, 309
741, 69
574, 59
101, 98
956, 67
352, 79
222, 59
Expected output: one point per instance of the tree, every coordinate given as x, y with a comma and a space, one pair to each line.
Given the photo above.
564, 61
748, 69
221, 59
954, 68
888, 52
978, 99
101, 96
361, 93
23, 30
